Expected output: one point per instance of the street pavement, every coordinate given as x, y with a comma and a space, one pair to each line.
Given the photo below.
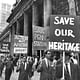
14, 75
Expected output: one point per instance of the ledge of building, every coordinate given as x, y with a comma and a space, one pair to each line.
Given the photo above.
16, 10
4, 32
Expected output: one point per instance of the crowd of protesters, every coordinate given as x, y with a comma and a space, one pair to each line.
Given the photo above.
49, 66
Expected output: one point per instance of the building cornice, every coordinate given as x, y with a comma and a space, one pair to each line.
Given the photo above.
5, 32
13, 18
19, 9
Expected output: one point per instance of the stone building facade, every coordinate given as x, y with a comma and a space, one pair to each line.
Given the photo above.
29, 13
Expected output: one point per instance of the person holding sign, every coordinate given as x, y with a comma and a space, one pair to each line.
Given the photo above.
45, 67
71, 71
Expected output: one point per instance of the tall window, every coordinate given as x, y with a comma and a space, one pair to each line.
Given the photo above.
39, 7
21, 26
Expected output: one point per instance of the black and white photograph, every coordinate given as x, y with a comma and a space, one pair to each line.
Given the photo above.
39, 39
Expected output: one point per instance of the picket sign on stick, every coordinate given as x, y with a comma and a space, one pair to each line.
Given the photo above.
64, 34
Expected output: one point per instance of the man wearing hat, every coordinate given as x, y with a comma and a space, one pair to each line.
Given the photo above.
71, 71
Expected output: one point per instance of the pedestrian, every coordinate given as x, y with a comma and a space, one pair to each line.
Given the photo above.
35, 75
23, 74
29, 68
9, 68
44, 67
71, 71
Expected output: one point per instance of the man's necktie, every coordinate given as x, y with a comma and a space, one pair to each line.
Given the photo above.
25, 65
48, 64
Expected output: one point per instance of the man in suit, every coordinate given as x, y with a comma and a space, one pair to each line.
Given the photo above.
71, 71
22, 70
29, 70
9, 68
44, 67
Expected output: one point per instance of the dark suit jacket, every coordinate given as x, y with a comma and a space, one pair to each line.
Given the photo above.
22, 72
1, 67
75, 72
8, 70
45, 72
29, 71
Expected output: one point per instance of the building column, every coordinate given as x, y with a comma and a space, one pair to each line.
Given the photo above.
47, 12
34, 15
12, 40
18, 27
34, 21
26, 27
72, 7
25, 24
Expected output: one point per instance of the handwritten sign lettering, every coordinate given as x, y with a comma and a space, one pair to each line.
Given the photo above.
64, 33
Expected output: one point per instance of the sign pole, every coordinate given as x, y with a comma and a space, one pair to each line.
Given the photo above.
63, 64
63, 77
